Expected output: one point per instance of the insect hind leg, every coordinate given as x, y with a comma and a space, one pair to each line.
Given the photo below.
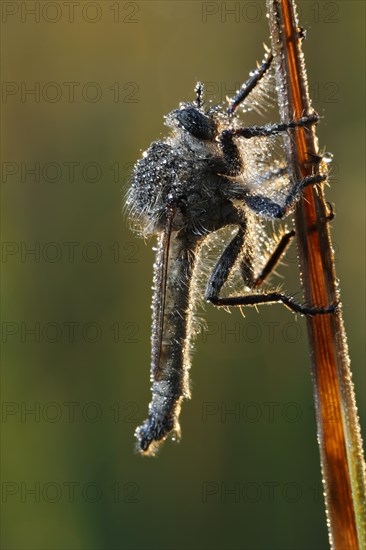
222, 271
273, 259
270, 298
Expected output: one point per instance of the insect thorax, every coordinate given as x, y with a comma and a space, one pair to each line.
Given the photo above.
183, 173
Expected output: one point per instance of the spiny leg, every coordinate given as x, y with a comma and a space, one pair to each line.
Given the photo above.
275, 256
246, 265
222, 271
250, 84
272, 129
282, 170
228, 258
230, 150
270, 298
225, 264
273, 259
266, 207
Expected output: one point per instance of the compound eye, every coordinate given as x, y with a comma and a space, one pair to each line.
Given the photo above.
196, 123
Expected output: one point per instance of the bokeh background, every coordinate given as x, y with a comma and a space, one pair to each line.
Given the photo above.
76, 310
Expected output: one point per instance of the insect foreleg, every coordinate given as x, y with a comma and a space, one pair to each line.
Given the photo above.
273, 129
232, 155
250, 84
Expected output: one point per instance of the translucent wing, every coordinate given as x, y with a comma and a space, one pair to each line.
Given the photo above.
160, 280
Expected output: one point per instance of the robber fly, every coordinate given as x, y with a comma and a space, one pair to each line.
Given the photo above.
184, 188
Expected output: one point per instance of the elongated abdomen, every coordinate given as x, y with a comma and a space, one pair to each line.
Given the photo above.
171, 334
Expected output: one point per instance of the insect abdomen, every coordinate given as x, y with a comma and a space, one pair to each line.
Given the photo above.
171, 336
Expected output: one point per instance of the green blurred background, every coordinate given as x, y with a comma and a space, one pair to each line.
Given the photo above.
104, 74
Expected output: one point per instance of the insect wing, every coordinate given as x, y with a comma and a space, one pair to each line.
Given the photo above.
160, 281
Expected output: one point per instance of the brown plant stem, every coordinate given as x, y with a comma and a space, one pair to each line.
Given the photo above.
339, 436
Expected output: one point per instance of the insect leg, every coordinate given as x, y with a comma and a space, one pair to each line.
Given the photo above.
273, 259
250, 84
224, 265
230, 150
272, 129
264, 206
270, 298
222, 270
228, 258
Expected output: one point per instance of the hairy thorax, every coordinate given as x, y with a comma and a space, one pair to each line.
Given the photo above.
182, 174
